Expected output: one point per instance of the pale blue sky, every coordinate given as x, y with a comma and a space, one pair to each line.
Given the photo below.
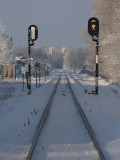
59, 21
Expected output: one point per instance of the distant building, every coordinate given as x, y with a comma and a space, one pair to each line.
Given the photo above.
8, 72
63, 50
21, 62
51, 51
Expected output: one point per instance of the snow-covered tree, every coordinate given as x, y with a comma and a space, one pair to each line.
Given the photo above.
108, 13
6, 54
89, 49
75, 59
38, 54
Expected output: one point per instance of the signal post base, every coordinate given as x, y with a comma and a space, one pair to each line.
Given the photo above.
29, 92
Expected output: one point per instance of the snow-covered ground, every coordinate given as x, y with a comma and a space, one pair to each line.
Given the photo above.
103, 112
19, 117
64, 136
17, 110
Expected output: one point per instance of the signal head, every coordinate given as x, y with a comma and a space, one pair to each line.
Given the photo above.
93, 26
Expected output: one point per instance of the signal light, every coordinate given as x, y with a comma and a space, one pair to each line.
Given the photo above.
33, 32
93, 26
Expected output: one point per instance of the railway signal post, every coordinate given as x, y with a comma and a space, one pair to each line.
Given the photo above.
32, 36
93, 30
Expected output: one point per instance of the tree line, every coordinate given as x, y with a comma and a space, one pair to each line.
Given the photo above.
8, 54
41, 56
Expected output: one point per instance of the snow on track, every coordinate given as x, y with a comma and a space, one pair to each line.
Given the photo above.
64, 137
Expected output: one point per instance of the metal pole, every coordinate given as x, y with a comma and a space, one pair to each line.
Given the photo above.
97, 70
27, 83
27, 79
23, 82
36, 75
29, 65
39, 74
48, 72
45, 73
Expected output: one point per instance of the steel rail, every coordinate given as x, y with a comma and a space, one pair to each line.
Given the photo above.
76, 80
86, 122
42, 122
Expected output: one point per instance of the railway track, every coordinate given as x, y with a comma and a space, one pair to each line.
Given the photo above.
86, 122
76, 81
41, 123
45, 115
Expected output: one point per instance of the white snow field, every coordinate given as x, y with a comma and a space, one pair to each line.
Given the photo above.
17, 109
